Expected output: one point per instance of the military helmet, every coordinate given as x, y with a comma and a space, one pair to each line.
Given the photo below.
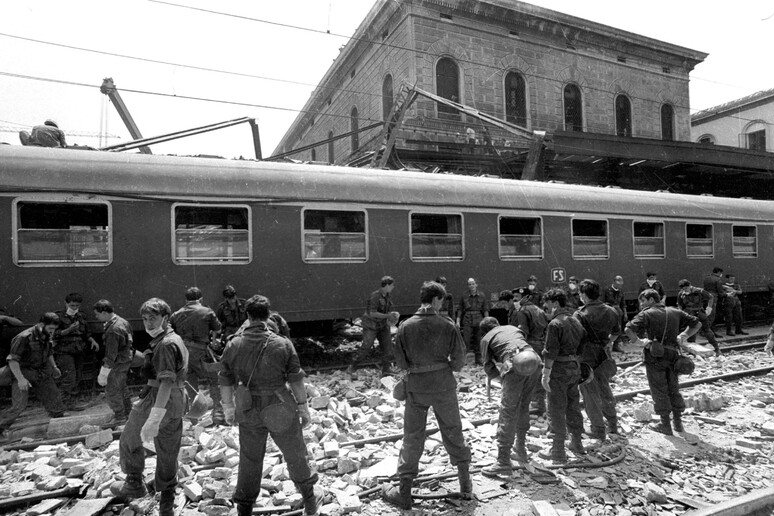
587, 374
526, 362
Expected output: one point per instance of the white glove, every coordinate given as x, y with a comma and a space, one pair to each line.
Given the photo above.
229, 412
709, 311
151, 427
769, 347
104, 372
393, 318
546, 379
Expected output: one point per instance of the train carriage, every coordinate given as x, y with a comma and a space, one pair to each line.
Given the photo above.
316, 239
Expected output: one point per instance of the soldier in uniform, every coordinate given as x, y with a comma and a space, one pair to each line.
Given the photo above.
376, 323
511, 360
663, 324
651, 281
713, 283
533, 291
266, 364
448, 302
31, 361
532, 321
602, 325
117, 339
573, 294
158, 416
430, 348
698, 302
614, 296
733, 305
70, 341
231, 313
472, 309
198, 326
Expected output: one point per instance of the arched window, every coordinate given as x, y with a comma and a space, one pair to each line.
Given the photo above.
623, 116
755, 136
667, 122
515, 99
573, 108
330, 148
314, 155
447, 85
354, 125
387, 97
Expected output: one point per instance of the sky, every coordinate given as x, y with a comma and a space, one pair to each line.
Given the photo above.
186, 63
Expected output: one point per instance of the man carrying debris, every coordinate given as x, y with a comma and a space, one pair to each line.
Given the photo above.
698, 302
509, 358
158, 416
117, 340
430, 348
256, 370
376, 322
662, 324
602, 326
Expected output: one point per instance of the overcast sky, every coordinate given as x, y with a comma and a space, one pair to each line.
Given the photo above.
273, 68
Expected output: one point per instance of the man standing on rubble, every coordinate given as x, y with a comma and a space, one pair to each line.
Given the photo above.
430, 348
472, 309
158, 416
376, 322
662, 323
698, 302
262, 364
532, 321
511, 360
117, 339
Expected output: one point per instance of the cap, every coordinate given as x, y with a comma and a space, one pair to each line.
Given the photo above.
51, 122
522, 291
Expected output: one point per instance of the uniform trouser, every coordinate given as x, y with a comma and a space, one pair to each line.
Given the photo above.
514, 406
116, 391
44, 387
716, 305
564, 400
447, 412
599, 401
201, 373
167, 442
706, 326
471, 337
252, 449
733, 313
663, 382
382, 333
539, 393
71, 366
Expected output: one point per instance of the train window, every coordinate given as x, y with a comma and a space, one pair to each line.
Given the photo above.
649, 240
698, 241
62, 233
521, 238
333, 235
589, 239
436, 237
206, 234
745, 242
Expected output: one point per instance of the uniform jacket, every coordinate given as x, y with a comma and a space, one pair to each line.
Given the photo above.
532, 321
194, 322
653, 320
118, 342
600, 322
615, 297
32, 348
377, 302
564, 335
499, 344
472, 307
75, 341
694, 301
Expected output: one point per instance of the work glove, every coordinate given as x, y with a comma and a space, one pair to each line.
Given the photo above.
546, 379
303, 412
229, 412
393, 318
151, 427
708, 311
769, 347
104, 372
55, 373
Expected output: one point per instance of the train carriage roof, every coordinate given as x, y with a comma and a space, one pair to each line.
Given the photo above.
28, 169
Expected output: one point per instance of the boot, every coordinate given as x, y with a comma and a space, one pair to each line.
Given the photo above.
663, 427
463, 475
612, 425
598, 432
132, 487
730, 332
503, 466
244, 509
521, 448
677, 421
312, 497
557, 453
576, 444
167, 503
400, 496
740, 332
479, 360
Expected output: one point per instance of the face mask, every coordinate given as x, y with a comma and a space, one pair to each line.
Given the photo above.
71, 312
532, 287
573, 286
156, 332
651, 282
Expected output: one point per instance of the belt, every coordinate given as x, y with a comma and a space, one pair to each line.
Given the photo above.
157, 384
566, 358
428, 368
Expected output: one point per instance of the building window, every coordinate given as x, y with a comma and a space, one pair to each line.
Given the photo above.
331, 150
756, 140
447, 85
211, 234
744, 242
707, 139
314, 155
387, 97
436, 236
573, 108
667, 122
589, 239
354, 126
623, 116
649, 240
334, 236
62, 233
520, 238
516, 99
698, 241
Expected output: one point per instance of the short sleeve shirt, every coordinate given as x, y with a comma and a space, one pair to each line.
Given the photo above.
564, 335
31, 348
653, 320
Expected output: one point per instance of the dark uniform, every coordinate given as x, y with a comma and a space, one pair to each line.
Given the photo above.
471, 311
166, 361
374, 329
47, 136
573, 298
615, 297
713, 283
447, 308
733, 308
278, 366
231, 317
532, 321
32, 350
600, 322
69, 350
118, 358
657, 286
694, 303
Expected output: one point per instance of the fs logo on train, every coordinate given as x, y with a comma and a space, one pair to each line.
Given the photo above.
558, 275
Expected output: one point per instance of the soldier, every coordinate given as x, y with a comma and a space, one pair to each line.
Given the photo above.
518, 372
70, 341
158, 416
534, 293
713, 283
430, 348
231, 313
573, 294
500, 310
652, 281
662, 324
448, 302
532, 321
561, 375
376, 322
117, 338
733, 306
198, 326
266, 363
602, 326
614, 296
698, 302
472, 309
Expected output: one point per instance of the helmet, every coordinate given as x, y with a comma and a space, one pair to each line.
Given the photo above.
684, 365
526, 362
51, 122
587, 374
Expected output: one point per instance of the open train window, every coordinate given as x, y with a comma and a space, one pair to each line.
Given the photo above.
745, 241
211, 234
520, 238
436, 237
61, 233
335, 236
648, 239
589, 239
699, 242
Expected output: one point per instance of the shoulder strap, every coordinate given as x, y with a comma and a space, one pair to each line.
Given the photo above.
258, 358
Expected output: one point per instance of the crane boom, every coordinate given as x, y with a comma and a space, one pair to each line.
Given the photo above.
109, 88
